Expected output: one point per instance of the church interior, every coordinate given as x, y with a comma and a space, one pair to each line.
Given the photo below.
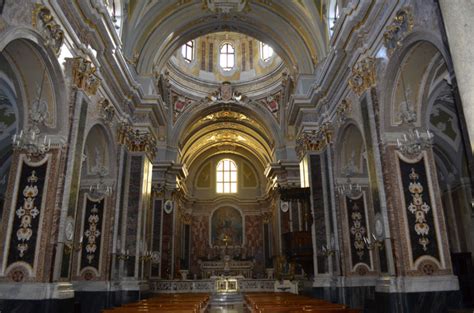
236, 156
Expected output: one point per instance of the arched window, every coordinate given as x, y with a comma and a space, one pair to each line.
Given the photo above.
227, 57
187, 50
226, 176
266, 52
333, 15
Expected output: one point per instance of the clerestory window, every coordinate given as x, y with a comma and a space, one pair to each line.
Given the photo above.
187, 51
266, 52
227, 57
226, 176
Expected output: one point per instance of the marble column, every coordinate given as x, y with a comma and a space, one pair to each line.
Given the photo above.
458, 19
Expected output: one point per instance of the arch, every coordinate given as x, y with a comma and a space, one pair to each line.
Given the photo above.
395, 66
260, 115
41, 59
99, 135
350, 133
22, 44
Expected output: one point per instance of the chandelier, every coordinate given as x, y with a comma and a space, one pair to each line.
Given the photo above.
415, 139
349, 189
31, 141
100, 189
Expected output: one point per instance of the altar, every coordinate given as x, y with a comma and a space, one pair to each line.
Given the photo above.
226, 267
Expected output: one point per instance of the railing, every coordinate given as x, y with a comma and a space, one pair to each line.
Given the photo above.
208, 285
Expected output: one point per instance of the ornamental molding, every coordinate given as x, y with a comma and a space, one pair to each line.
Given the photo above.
401, 26
137, 140
225, 94
84, 75
226, 6
343, 110
51, 31
314, 140
363, 75
106, 111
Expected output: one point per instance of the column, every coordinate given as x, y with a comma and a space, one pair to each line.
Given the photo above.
458, 19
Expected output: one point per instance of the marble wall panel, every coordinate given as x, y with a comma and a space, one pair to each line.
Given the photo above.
199, 240
167, 244
254, 240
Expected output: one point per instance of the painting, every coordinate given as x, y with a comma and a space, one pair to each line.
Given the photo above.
226, 227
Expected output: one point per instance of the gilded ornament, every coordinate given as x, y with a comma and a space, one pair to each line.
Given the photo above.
51, 31
400, 27
363, 75
315, 140
137, 140
84, 75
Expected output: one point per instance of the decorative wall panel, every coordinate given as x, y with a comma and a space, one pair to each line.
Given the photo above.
92, 234
156, 241
27, 213
357, 222
418, 209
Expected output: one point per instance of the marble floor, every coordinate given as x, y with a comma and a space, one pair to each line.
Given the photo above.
227, 308
227, 303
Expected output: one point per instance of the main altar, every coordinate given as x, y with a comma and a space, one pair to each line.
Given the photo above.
226, 267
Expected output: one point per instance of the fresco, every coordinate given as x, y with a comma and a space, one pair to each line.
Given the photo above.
226, 226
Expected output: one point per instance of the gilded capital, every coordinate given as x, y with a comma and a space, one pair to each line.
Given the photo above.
363, 75
84, 75
137, 140
314, 140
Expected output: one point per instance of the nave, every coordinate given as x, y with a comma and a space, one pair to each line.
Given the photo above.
156, 154
257, 302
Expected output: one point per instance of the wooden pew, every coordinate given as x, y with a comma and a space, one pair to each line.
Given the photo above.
174, 303
266, 302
